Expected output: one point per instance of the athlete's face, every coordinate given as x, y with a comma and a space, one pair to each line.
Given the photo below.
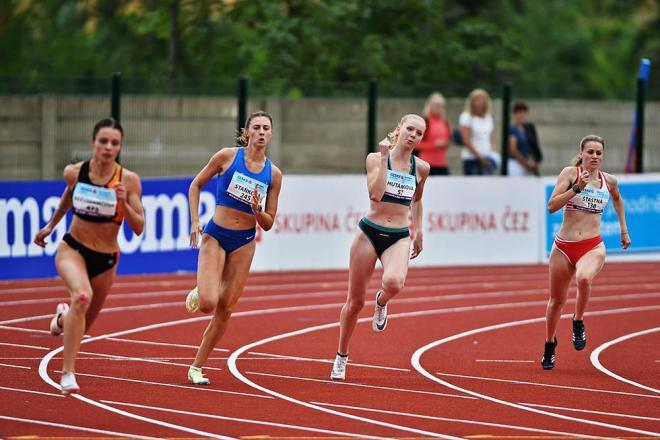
259, 131
592, 154
411, 130
107, 143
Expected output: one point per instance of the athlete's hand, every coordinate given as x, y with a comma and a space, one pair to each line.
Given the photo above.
416, 246
256, 199
385, 146
583, 179
40, 238
195, 233
625, 240
120, 189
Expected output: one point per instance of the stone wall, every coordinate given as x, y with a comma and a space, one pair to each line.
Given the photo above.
174, 136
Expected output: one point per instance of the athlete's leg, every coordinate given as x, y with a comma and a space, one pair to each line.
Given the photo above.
586, 270
362, 262
236, 267
101, 285
561, 272
210, 264
395, 269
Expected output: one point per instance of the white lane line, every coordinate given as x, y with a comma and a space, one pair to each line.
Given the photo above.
171, 385
445, 419
21, 329
325, 361
163, 344
415, 360
15, 366
591, 411
77, 428
596, 362
36, 347
31, 391
537, 384
237, 419
360, 385
138, 359
505, 361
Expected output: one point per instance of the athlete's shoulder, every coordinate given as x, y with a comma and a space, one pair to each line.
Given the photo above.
129, 176
568, 172
71, 171
610, 179
424, 166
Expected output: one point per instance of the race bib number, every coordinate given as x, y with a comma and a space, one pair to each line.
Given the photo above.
400, 185
94, 200
241, 187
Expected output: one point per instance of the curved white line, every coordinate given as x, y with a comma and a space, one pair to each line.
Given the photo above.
231, 364
79, 428
418, 353
596, 362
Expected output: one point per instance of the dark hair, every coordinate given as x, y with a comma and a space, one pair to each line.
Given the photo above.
589, 138
520, 106
242, 139
107, 122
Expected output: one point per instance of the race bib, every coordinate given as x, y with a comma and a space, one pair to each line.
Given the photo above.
399, 185
241, 187
94, 200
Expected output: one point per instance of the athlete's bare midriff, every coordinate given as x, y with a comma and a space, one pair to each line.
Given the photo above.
389, 215
579, 225
101, 237
231, 218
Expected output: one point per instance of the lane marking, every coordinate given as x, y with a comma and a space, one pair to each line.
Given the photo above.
171, 385
21, 329
537, 384
591, 411
21, 390
325, 361
418, 353
445, 419
237, 419
596, 362
163, 344
138, 359
36, 347
15, 366
77, 428
360, 385
505, 361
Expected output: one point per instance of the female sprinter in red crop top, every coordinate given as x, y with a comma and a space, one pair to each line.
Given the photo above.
583, 190
102, 194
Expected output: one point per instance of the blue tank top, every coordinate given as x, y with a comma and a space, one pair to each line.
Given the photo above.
236, 184
400, 187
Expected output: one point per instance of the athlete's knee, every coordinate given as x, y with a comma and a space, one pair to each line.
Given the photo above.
80, 301
354, 305
583, 281
393, 284
556, 303
224, 308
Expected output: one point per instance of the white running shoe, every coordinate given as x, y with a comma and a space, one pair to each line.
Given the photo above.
60, 311
196, 377
339, 367
192, 300
380, 315
68, 383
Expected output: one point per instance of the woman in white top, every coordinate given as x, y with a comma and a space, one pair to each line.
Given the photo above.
477, 128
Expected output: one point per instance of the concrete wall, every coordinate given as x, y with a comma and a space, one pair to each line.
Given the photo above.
175, 136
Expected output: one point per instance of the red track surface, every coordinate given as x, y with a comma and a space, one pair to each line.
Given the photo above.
460, 357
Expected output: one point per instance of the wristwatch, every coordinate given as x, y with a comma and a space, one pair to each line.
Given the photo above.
576, 188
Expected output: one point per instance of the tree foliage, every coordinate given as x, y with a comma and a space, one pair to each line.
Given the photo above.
585, 48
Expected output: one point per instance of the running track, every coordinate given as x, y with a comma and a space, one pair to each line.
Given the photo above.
460, 357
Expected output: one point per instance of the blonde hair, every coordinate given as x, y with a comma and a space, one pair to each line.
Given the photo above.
435, 97
393, 136
577, 160
474, 94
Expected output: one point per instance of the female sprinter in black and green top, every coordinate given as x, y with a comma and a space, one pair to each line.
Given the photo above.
395, 179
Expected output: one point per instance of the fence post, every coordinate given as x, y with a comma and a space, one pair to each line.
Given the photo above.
372, 107
242, 102
115, 102
506, 105
642, 80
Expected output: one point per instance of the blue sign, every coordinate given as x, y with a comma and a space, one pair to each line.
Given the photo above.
641, 201
26, 207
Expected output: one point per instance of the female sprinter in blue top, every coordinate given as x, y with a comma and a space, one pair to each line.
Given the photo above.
247, 193
395, 180
583, 190
102, 194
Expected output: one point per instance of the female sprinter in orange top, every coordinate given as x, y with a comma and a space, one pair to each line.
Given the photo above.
247, 193
583, 190
102, 194
395, 180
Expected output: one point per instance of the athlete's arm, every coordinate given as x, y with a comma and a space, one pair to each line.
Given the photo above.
417, 208
266, 218
377, 171
563, 191
613, 186
66, 201
216, 165
129, 193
